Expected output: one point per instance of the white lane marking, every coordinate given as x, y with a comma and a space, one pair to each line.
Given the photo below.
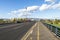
31, 31
28, 33
38, 32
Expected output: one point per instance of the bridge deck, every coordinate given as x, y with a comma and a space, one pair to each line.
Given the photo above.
45, 33
40, 32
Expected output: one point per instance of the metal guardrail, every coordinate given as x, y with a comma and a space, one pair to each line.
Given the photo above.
53, 29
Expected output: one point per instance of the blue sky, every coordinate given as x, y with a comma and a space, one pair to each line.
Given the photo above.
30, 8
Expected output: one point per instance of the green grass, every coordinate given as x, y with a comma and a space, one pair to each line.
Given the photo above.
57, 25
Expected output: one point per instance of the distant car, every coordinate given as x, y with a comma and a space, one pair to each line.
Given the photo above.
19, 21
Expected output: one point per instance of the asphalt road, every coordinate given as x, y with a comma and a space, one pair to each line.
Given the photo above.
40, 32
15, 32
35, 35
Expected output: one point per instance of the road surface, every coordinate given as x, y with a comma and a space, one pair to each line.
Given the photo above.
40, 32
15, 32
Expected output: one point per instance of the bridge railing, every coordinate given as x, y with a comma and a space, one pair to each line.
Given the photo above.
54, 29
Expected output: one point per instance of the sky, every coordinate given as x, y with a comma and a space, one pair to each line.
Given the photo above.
49, 9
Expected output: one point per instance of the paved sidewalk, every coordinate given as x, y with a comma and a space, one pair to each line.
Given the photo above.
45, 33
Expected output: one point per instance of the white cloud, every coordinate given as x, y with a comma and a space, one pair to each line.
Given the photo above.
56, 6
24, 12
21, 10
47, 6
28, 10
51, 6
43, 7
32, 8
49, 0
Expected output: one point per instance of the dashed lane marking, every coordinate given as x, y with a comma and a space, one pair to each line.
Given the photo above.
38, 32
29, 32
